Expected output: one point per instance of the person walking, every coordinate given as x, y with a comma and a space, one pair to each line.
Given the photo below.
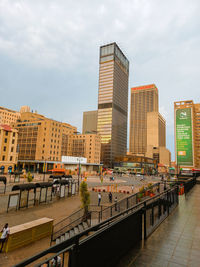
99, 199
132, 188
5, 234
110, 197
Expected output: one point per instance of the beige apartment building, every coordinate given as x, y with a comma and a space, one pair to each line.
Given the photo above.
112, 102
90, 122
87, 146
187, 134
8, 148
41, 139
144, 99
8, 116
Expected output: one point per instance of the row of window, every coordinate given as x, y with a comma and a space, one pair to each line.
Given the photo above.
6, 140
3, 158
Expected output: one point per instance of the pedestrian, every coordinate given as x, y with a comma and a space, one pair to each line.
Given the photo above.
132, 188
99, 199
116, 203
5, 234
110, 197
56, 261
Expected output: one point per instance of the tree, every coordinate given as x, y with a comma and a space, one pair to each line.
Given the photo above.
85, 197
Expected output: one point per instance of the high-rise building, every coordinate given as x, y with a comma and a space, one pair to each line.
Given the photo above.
90, 122
144, 99
112, 102
187, 134
156, 129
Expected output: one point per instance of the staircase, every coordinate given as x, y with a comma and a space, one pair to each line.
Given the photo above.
78, 223
73, 231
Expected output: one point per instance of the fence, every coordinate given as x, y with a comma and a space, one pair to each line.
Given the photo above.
98, 214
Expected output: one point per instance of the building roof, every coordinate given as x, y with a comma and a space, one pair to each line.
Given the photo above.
143, 87
6, 127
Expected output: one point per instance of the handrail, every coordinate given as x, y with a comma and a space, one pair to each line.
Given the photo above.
102, 211
75, 239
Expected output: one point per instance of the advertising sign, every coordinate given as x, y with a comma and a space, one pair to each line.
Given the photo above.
184, 146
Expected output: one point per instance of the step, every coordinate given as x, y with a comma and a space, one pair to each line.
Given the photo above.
76, 230
71, 233
57, 240
80, 227
62, 238
66, 235
85, 225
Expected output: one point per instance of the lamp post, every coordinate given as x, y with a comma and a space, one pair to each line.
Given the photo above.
79, 167
45, 167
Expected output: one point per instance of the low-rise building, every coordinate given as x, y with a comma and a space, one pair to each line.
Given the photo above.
86, 145
8, 148
8, 116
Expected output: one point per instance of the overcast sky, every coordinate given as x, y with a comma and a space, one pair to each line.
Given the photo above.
49, 52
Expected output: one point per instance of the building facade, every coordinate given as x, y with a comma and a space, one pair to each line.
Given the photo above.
87, 146
112, 102
42, 139
8, 116
8, 148
90, 122
187, 134
144, 99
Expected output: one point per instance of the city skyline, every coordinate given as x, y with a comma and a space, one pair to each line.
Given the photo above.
43, 55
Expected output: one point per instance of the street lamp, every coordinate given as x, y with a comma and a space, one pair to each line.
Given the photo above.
79, 167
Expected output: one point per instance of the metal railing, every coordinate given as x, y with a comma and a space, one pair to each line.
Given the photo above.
154, 211
99, 213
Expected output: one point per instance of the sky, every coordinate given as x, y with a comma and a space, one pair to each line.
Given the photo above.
49, 53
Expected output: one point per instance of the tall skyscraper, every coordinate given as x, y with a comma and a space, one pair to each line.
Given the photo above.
89, 121
143, 99
187, 133
112, 102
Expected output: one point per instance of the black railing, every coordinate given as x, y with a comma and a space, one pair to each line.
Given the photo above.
100, 213
125, 227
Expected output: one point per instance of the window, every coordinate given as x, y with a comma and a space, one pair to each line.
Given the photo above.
4, 149
12, 148
44, 140
13, 141
3, 158
6, 133
5, 140
11, 158
13, 134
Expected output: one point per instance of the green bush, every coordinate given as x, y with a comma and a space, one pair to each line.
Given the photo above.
29, 177
85, 197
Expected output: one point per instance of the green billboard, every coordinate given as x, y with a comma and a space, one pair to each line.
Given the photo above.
184, 146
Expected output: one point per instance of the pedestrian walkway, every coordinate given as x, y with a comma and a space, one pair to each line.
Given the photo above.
176, 242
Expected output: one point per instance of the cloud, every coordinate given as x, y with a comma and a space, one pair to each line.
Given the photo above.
49, 51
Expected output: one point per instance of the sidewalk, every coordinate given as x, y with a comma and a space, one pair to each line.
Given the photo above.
56, 211
176, 242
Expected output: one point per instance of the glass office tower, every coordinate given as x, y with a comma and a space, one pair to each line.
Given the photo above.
112, 103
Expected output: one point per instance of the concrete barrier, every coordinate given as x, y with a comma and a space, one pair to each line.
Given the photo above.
23, 234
